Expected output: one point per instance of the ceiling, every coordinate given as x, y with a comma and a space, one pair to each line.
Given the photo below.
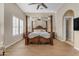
52, 7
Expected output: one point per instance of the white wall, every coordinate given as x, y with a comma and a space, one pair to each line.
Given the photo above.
1, 22
59, 22
11, 10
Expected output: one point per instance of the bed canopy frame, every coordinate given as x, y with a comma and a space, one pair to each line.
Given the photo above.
39, 27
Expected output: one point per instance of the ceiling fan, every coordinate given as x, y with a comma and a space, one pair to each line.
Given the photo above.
38, 5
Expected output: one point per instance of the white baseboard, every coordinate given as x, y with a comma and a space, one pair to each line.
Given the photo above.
12, 43
72, 44
76, 48
60, 39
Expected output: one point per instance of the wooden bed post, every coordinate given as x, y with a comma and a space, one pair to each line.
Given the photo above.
26, 24
46, 26
51, 23
51, 39
32, 27
26, 35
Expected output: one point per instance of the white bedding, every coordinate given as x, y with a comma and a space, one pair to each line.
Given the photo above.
43, 34
1, 44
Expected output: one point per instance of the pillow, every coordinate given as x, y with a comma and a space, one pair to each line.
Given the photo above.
39, 30
43, 30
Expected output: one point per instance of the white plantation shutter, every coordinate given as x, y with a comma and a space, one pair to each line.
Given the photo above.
15, 26
21, 26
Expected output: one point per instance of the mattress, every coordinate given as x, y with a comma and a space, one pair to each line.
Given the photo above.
42, 34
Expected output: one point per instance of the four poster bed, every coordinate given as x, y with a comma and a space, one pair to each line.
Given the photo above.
38, 37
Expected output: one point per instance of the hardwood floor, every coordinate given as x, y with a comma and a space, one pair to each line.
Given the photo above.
58, 49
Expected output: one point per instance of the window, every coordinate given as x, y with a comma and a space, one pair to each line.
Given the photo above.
21, 26
15, 25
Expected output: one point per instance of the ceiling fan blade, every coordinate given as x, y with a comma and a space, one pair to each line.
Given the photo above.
38, 7
32, 3
44, 5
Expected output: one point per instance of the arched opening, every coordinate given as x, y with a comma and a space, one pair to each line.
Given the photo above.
69, 13
68, 26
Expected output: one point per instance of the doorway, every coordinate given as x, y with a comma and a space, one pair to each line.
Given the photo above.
68, 26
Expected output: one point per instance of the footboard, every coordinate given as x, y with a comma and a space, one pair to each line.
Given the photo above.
38, 40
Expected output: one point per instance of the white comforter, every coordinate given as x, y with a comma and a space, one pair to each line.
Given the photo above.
1, 44
43, 34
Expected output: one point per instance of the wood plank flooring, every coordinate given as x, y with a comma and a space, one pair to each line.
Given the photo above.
58, 49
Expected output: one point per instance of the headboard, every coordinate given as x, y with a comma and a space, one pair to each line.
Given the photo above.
39, 27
